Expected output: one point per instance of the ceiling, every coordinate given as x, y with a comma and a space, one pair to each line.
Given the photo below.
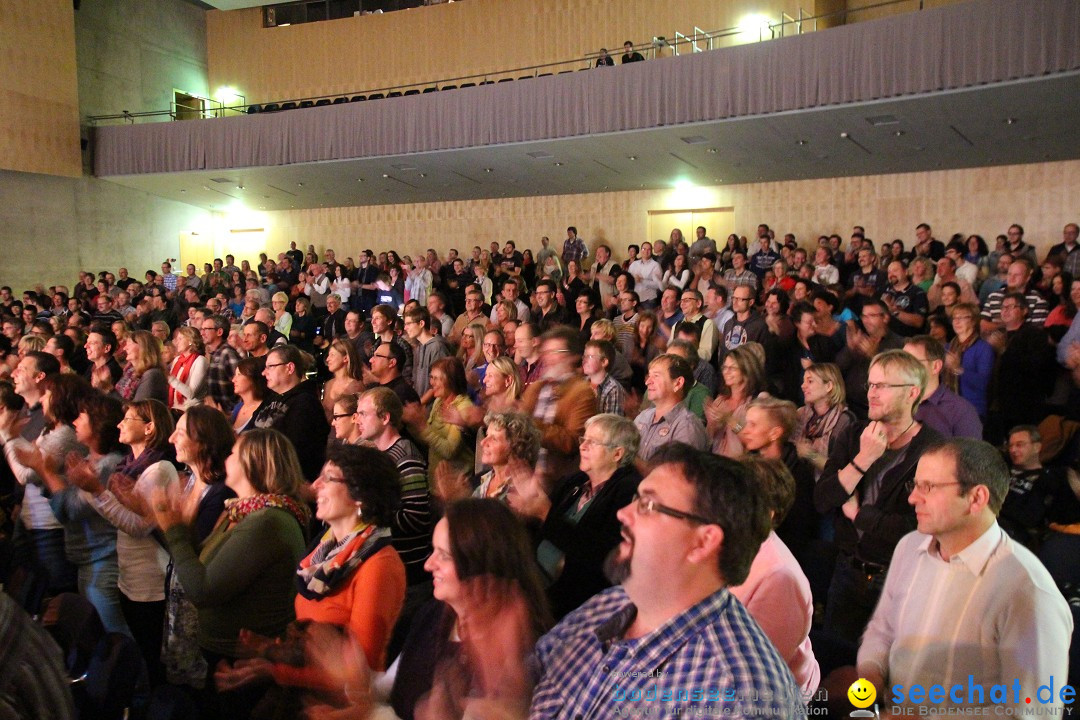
1012, 123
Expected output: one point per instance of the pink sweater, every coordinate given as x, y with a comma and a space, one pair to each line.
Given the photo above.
777, 594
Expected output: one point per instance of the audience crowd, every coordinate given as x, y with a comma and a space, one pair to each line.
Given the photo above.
727, 478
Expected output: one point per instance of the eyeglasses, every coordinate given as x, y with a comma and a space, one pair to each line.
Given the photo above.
648, 506
336, 416
131, 419
878, 386
585, 442
272, 365
926, 488
741, 299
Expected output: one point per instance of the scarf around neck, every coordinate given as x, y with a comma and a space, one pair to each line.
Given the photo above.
325, 570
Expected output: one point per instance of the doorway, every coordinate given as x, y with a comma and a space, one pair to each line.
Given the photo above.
718, 223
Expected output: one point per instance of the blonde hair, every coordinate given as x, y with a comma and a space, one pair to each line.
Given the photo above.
31, 343
149, 352
910, 369
830, 373
269, 462
507, 367
606, 328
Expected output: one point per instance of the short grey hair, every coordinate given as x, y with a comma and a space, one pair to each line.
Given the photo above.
621, 433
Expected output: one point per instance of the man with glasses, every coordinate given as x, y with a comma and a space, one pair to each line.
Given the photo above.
670, 638
863, 343
747, 324
294, 408
378, 416
429, 348
474, 313
383, 321
214, 332
965, 606
551, 313
864, 480
387, 360
511, 291
691, 303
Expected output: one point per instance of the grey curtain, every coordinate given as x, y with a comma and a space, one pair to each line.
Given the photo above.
964, 45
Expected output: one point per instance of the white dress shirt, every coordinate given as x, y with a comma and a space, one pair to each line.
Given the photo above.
991, 612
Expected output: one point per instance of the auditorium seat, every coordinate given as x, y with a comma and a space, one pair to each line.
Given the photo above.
376, 96
393, 93
252, 109
502, 80
468, 84
340, 100
320, 103
414, 91
288, 106
359, 98
449, 87
271, 107
431, 90
306, 103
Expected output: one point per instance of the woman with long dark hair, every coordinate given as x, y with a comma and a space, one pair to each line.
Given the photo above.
486, 585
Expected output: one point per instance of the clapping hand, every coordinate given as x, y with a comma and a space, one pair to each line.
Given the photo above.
167, 506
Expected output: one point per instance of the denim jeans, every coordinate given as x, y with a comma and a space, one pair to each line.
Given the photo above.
97, 583
852, 598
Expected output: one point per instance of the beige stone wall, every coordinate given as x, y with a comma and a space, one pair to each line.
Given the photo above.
1042, 197
39, 115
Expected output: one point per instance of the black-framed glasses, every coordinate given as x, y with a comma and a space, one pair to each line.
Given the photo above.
337, 416
270, 365
926, 488
648, 506
878, 386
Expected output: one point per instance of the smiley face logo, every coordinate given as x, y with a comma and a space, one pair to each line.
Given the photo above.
862, 693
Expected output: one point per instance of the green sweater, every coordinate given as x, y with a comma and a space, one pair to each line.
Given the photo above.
244, 578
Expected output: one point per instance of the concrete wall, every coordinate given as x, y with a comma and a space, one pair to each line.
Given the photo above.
130, 55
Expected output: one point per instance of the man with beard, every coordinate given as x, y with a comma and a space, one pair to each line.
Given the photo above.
865, 479
671, 632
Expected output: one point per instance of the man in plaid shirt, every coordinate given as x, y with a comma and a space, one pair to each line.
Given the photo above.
223, 360
573, 248
670, 640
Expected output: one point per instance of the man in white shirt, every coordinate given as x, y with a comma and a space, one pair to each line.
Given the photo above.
965, 608
647, 276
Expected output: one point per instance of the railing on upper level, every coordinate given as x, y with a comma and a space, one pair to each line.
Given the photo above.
759, 30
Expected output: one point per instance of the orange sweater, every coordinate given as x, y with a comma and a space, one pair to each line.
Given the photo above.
368, 606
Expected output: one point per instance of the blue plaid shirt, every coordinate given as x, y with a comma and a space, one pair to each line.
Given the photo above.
712, 660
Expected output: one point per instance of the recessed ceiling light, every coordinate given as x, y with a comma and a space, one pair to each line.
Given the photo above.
423, 175
558, 164
183, 191
898, 133
487, 170
385, 175
802, 142
299, 184
359, 179
844, 135
1010, 121
712, 151
239, 187
632, 157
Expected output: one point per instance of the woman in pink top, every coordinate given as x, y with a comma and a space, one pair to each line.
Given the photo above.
776, 592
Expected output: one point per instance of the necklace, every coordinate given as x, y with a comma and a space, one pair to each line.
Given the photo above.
903, 433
